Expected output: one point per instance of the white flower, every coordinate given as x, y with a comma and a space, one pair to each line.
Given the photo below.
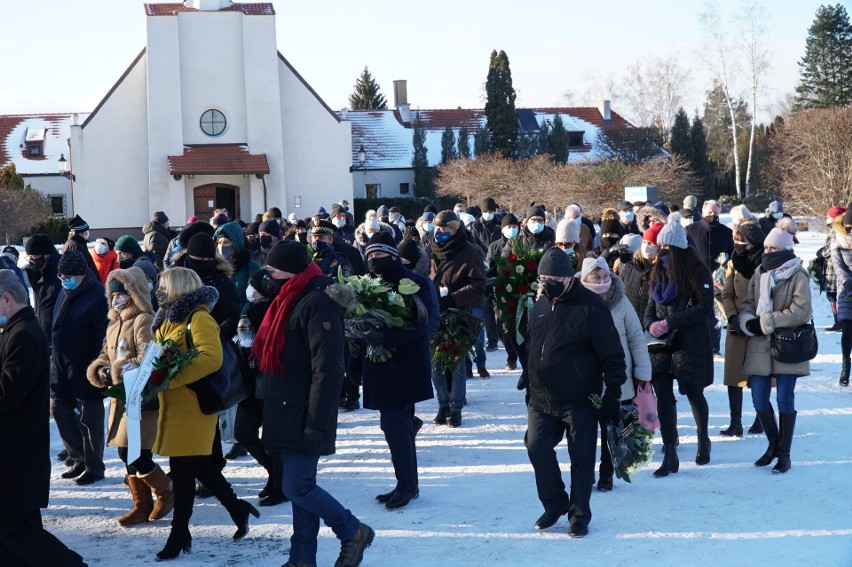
519, 269
509, 288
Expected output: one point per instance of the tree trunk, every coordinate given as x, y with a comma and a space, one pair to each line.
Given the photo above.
736, 145
751, 137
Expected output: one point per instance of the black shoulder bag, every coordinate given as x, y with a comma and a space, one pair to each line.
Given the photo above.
795, 345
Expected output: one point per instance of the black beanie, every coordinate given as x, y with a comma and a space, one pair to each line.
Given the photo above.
752, 233
252, 229
39, 244
381, 242
474, 211
555, 263
488, 204
509, 219
430, 208
409, 250
201, 246
72, 263
535, 211
289, 256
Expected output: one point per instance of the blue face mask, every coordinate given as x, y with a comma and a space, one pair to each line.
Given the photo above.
3, 319
70, 284
428, 226
535, 227
442, 237
569, 251
579, 220
510, 233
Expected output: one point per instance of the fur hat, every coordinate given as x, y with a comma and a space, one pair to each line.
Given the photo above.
288, 256
781, 237
555, 263
567, 231
648, 215
77, 224
673, 233
72, 263
381, 242
591, 264
39, 244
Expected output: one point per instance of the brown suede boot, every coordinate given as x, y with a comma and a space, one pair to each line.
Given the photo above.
143, 503
161, 484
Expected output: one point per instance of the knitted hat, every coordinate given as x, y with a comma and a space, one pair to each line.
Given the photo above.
39, 244
382, 211
632, 241
567, 231
201, 246
270, 227
488, 204
535, 211
467, 218
77, 224
323, 214
651, 234
129, 245
447, 218
673, 233
219, 220
508, 220
660, 206
72, 263
428, 216
192, 219
322, 226
834, 211
781, 237
252, 229
610, 226
409, 250
690, 202
160, 217
555, 263
752, 233
474, 211
775, 207
382, 242
289, 256
115, 286
623, 205
591, 264
11, 251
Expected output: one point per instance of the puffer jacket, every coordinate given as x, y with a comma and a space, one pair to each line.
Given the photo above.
458, 265
636, 275
841, 260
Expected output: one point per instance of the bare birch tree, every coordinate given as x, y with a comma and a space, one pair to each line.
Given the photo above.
757, 57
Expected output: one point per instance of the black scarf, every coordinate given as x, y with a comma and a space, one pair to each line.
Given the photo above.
445, 251
773, 260
746, 263
87, 282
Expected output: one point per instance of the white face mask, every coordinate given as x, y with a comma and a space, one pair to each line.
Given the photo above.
627, 216
535, 227
393, 217
252, 294
649, 251
119, 302
101, 248
777, 216
150, 286
488, 217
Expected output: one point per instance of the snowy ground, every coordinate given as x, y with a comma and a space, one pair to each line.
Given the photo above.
478, 501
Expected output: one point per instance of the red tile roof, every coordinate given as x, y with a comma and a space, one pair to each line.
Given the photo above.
172, 9
56, 126
225, 159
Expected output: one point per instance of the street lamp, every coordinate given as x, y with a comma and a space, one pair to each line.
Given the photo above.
362, 160
63, 168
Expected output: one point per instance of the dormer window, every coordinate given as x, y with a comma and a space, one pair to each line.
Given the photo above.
35, 142
575, 139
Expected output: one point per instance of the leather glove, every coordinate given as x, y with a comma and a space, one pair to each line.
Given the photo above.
523, 381
734, 325
374, 338
753, 326
446, 302
314, 441
611, 406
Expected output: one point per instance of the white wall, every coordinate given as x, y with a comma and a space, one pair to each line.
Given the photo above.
389, 179
51, 185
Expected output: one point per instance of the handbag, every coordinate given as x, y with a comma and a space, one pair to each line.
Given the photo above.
646, 406
660, 344
224, 388
795, 345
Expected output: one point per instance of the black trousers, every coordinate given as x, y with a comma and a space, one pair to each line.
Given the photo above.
667, 406
399, 434
350, 390
246, 426
184, 471
143, 465
25, 543
81, 427
492, 330
546, 430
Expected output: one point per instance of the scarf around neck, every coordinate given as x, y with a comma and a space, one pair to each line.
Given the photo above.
771, 278
665, 292
271, 336
746, 263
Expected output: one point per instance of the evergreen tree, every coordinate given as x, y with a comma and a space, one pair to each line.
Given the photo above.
481, 141
558, 141
826, 67
527, 145
448, 145
681, 143
464, 143
367, 95
423, 175
543, 141
700, 161
502, 119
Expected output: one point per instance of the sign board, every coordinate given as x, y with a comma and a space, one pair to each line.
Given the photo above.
648, 194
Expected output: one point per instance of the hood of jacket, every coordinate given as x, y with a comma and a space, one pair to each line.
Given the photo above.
223, 266
134, 281
233, 232
184, 306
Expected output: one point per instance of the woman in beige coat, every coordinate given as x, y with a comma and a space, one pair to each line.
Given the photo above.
779, 297
127, 336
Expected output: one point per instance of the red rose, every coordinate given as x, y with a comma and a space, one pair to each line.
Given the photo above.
157, 377
512, 305
500, 288
512, 313
167, 353
532, 266
512, 258
523, 288
505, 271
457, 344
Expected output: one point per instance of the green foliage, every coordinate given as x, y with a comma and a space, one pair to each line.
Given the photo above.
826, 67
21, 206
55, 227
502, 119
424, 176
681, 143
481, 141
367, 95
700, 163
10, 179
557, 141
528, 145
448, 145
464, 143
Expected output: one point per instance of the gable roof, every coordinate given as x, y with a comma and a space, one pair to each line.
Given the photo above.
173, 8
13, 133
218, 159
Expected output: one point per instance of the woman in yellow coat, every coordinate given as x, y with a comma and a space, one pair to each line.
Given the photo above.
127, 337
184, 433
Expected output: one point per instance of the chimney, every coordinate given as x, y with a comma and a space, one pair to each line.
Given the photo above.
344, 113
400, 93
404, 112
605, 110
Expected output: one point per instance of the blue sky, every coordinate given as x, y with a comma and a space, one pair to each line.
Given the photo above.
64, 55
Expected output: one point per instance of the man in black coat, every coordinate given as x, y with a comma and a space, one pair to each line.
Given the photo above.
41, 272
575, 352
79, 326
534, 234
303, 329
24, 434
486, 231
340, 218
395, 385
509, 230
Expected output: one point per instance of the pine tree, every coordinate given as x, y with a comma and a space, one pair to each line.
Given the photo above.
826, 67
367, 95
681, 143
700, 160
423, 175
543, 141
481, 141
558, 141
502, 119
448, 145
464, 143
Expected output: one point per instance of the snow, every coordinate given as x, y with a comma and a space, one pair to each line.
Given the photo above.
54, 130
478, 501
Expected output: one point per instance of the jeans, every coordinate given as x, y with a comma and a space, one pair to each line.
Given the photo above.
479, 313
82, 434
310, 503
455, 397
761, 388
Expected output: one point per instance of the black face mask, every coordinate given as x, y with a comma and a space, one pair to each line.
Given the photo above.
253, 243
320, 245
37, 264
380, 265
126, 263
302, 237
204, 268
553, 289
265, 241
272, 287
711, 219
740, 248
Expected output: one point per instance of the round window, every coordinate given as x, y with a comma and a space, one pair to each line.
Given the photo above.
213, 122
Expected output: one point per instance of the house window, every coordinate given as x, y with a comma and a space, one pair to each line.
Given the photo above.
403, 188
213, 122
34, 150
575, 139
57, 205
373, 190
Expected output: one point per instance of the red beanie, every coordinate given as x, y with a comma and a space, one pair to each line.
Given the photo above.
834, 211
651, 234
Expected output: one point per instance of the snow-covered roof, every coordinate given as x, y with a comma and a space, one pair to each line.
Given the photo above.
388, 142
18, 129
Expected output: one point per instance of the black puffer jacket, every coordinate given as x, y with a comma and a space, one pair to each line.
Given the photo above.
692, 360
458, 265
574, 350
485, 232
710, 240
636, 275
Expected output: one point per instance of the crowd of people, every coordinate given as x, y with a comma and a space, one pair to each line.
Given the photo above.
276, 287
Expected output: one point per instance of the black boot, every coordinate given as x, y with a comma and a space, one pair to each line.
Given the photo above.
788, 426
844, 372
240, 515
671, 464
274, 495
757, 427
767, 419
179, 540
735, 401
702, 457
701, 414
455, 418
443, 414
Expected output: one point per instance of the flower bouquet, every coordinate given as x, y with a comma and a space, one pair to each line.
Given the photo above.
630, 444
455, 337
378, 307
170, 362
515, 286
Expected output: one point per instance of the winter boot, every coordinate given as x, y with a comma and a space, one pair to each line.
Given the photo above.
837, 326
443, 414
767, 419
788, 426
702, 457
735, 402
239, 512
701, 414
161, 484
274, 494
179, 540
143, 504
844, 372
455, 418
671, 464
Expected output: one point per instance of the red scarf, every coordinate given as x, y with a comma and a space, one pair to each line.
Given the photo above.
269, 340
